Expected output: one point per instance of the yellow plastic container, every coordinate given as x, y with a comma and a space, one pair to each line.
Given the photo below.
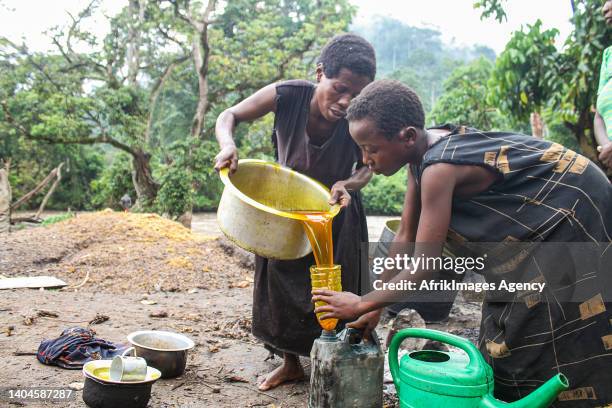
326, 277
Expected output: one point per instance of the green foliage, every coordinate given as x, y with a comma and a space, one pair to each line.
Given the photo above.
175, 194
57, 218
115, 181
385, 195
31, 161
465, 99
417, 81
399, 45
532, 75
82, 93
526, 68
202, 186
490, 7
559, 133
579, 65
417, 56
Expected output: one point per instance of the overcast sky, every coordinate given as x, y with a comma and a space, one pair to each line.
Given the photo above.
456, 19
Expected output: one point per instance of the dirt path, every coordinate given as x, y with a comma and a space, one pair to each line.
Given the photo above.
210, 317
203, 286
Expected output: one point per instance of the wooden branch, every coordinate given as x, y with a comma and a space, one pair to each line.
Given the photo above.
201, 56
36, 189
50, 192
17, 220
210, 7
76, 21
168, 37
157, 89
178, 14
166, 74
88, 141
61, 49
103, 138
24, 52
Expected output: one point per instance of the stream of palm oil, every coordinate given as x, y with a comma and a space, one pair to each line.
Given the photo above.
318, 227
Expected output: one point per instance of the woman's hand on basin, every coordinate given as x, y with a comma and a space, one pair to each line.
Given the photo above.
340, 195
227, 157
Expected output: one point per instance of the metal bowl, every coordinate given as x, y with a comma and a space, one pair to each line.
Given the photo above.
163, 350
257, 208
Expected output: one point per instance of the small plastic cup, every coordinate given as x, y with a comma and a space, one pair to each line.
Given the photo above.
128, 369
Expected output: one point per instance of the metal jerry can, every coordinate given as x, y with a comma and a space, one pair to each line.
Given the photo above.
429, 378
346, 371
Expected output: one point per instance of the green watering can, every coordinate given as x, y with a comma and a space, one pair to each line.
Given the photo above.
430, 378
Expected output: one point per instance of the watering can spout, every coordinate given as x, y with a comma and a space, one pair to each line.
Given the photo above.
540, 398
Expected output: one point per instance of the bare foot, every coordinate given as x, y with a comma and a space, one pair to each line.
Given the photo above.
290, 370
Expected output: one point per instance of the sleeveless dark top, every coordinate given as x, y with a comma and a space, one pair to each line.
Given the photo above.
283, 313
545, 193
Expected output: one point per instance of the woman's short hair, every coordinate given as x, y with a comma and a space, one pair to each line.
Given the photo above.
348, 51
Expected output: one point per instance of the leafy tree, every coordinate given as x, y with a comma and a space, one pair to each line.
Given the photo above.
527, 68
567, 80
160, 77
417, 56
114, 182
33, 160
464, 100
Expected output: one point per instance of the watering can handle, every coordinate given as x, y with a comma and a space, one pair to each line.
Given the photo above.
476, 361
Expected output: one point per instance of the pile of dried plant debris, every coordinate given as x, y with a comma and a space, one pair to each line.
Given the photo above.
123, 252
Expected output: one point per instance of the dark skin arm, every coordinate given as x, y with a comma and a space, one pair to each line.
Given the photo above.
341, 189
255, 106
601, 136
439, 184
406, 233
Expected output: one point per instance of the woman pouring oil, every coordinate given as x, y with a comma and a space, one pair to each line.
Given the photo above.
310, 136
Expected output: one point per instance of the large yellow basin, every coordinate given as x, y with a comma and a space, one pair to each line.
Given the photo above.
256, 208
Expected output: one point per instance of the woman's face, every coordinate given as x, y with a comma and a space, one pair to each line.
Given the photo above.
334, 95
607, 12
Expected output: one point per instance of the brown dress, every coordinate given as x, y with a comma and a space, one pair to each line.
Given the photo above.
283, 313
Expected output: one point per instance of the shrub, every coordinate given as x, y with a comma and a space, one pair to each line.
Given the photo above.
385, 195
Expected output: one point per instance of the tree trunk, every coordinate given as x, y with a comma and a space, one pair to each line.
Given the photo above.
144, 184
537, 125
5, 202
50, 192
586, 141
136, 11
201, 57
52, 174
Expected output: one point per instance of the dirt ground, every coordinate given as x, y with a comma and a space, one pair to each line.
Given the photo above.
129, 267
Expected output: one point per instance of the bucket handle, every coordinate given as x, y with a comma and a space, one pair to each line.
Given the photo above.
476, 361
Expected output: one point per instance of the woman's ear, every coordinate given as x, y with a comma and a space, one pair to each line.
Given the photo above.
319, 72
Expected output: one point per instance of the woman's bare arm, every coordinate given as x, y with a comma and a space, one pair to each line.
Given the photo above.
251, 108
